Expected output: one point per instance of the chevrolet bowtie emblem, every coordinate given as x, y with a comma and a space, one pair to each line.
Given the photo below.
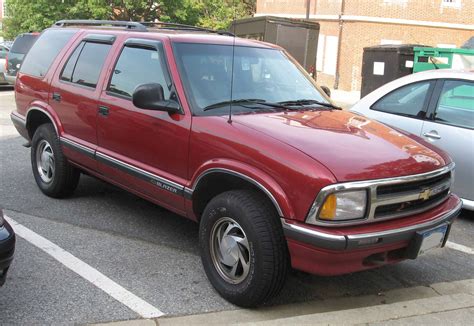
425, 194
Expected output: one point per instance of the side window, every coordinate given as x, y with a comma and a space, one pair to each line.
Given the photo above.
137, 66
409, 100
456, 104
68, 69
3, 52
85, 64
44, 51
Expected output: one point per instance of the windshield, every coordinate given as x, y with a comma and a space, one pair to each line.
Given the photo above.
259, 73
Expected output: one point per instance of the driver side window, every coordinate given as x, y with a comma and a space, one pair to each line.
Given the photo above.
134, 67
409, 100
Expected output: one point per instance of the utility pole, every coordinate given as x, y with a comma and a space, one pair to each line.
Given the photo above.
308, 5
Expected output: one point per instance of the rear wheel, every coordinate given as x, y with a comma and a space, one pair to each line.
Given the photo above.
53, 173
243, 249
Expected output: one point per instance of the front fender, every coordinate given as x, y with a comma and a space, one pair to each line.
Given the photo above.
249, 173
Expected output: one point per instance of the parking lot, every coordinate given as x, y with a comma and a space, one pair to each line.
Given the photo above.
146, 254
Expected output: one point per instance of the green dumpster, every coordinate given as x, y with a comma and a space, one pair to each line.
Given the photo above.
441, 58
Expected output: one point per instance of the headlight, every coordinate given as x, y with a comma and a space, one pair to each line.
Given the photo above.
339, 206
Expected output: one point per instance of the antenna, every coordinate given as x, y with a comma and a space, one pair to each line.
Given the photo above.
232, 69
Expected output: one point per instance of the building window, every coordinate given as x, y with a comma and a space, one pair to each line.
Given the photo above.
451, 3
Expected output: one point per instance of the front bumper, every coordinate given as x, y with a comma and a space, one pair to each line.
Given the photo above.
10, 79
7, 249
345, 250
467, 204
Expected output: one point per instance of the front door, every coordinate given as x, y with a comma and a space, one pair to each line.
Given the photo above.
143, 150
451, 127
405, 107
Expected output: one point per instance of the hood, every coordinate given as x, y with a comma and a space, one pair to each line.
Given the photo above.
351, 146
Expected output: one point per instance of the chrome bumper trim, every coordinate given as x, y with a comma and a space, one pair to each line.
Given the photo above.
355, 241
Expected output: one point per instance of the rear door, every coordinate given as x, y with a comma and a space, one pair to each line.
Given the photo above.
145, 150
74, 94
450, 125
404, 107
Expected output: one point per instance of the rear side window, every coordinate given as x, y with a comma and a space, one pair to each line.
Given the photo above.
137, 66
44, 51
23, 43
85, 64
409, 100
456, 104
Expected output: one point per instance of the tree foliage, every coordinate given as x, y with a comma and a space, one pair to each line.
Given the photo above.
36, 15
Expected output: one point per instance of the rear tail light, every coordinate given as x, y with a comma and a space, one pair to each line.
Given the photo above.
6, 64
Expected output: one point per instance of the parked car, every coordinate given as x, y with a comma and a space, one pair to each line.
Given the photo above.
19, 49
4, 48
285, 178
7, 247
438, 106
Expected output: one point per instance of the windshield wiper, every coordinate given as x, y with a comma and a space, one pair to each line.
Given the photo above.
304, 102
247, 101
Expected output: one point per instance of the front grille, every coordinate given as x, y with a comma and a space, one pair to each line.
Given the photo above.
401, 199
412, 186
409, 206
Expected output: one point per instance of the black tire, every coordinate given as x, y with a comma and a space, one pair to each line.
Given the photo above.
267, 254
65, 178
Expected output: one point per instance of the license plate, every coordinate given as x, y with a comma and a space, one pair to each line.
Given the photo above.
431, 239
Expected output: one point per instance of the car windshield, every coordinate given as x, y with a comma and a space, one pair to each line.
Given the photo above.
258, 73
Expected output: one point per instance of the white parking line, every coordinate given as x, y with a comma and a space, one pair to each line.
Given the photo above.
459, 247
141, 307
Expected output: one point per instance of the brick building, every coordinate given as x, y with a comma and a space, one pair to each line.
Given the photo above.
347, 26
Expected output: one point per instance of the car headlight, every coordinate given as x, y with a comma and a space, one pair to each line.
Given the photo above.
339, 206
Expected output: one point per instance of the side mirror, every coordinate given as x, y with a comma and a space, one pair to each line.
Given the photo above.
151, 97
326, 90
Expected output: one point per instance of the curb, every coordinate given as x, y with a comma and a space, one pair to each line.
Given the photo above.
422, 302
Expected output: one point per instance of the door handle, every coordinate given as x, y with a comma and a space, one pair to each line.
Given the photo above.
103, 110
57, 97
432, 134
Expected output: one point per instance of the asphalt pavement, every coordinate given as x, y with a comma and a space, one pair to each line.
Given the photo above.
150, 252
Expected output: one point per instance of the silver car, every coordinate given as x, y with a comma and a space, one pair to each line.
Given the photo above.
4, 48
437, 105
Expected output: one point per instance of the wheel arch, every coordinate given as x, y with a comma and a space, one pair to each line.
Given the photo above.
216, 180
37, 116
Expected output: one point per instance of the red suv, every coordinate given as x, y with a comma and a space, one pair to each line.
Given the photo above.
233, 134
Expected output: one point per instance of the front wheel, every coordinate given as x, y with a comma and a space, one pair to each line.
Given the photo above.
243, 249
53, 173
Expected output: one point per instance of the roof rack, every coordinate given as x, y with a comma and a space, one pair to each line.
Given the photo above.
137, 26
115, 23
177, 26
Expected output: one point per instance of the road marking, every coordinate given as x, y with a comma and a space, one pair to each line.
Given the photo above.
141, 307
459, 247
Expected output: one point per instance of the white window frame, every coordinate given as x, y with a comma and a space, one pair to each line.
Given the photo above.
451, 3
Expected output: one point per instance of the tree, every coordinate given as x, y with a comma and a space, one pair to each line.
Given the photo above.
36, 15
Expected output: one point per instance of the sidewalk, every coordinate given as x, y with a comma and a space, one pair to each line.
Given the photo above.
437, 304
